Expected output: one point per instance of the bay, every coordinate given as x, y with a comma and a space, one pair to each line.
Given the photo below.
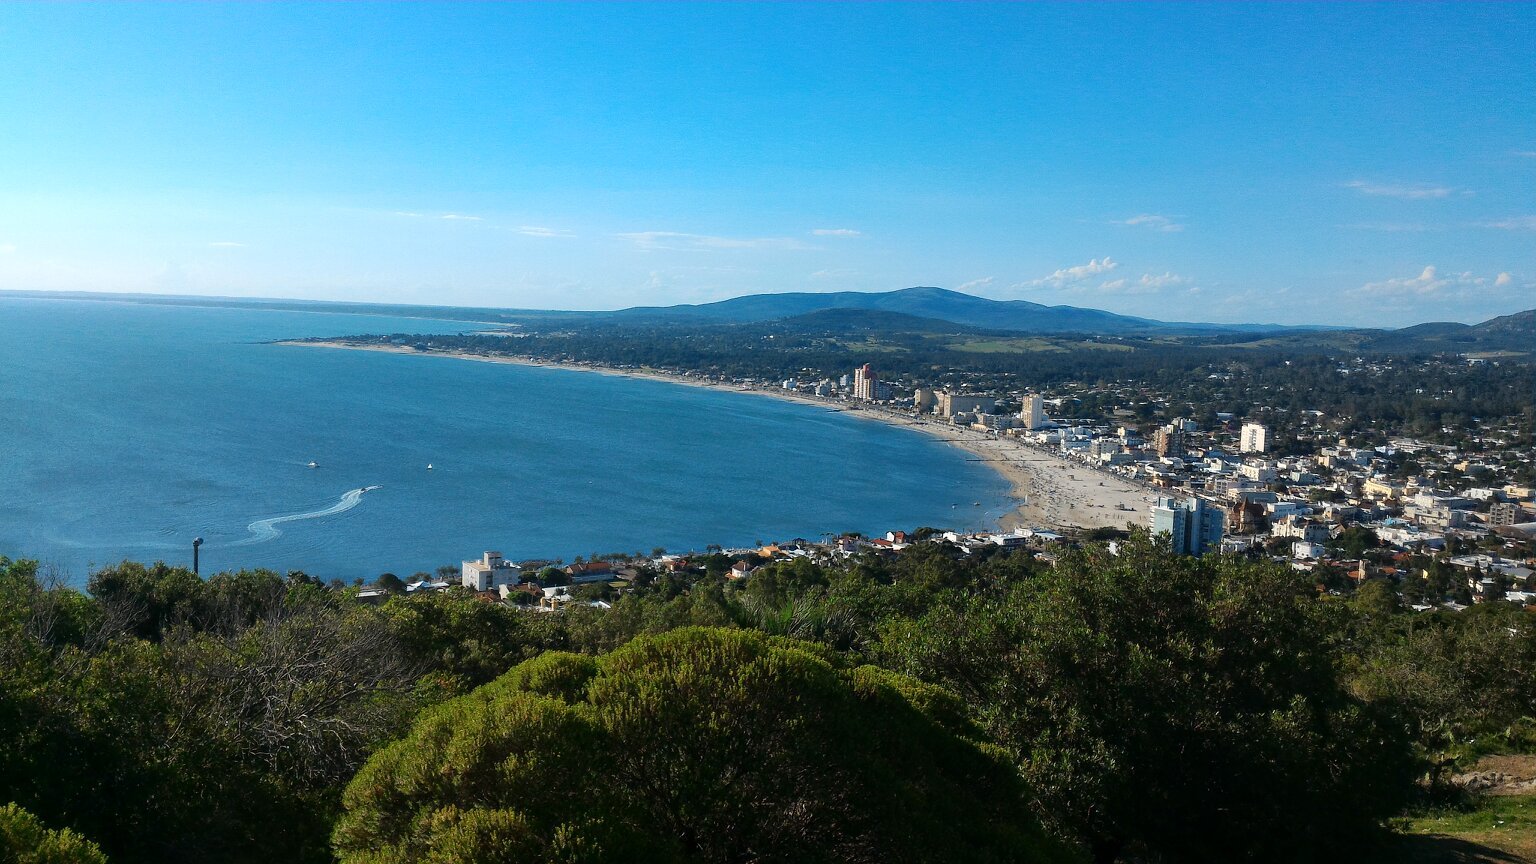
130, 429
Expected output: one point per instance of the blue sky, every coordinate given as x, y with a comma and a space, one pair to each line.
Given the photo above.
1355, 164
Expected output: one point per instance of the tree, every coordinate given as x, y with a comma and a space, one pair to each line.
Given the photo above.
24, 840
234, 709
1169, 707
1353, 541
699, 745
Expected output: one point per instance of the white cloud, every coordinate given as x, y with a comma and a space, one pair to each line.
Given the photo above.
1391, 227
974, 284
1152, 221
460, 217
835, 273
226, 244
540, 231
836, 232
1149, 283
1073, 275
678, 240
1167, 280
1430, 283
1513, 223
1412, 192
7, 248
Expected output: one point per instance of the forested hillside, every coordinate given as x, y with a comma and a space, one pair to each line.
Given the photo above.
926, 706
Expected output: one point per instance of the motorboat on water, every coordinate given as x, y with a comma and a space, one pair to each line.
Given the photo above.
429, 466
312, 464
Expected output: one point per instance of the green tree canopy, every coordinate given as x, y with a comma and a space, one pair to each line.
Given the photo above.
699, 745
1169, 707
24, 840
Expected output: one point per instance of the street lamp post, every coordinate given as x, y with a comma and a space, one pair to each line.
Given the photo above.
196, 542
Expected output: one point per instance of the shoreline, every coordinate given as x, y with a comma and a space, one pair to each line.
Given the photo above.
1046, 491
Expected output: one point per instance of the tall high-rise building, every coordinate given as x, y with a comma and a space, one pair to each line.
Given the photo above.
1032, 415
864, 382
1255, 438
1194, 526
1168, 441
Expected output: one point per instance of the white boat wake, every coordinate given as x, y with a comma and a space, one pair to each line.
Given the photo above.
263, 530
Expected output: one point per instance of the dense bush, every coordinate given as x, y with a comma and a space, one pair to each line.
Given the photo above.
700, 745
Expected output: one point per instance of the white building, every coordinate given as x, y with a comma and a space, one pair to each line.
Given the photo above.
1255, 438
1032, 415
1259, 471
864, 383
490, 573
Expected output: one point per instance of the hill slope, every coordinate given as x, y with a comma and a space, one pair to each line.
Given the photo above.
934, 303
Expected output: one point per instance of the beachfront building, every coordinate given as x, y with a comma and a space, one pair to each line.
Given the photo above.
490, 573
1194, 526
865, 383
923, 400
951, 404
1255, 438
1032, 415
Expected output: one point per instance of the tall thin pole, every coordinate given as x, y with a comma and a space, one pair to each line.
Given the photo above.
196, 542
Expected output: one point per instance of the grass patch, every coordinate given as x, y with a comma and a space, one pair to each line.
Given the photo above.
1034, 345
1500, 828
870, 346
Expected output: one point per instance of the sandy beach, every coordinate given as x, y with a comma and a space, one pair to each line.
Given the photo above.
1050, 492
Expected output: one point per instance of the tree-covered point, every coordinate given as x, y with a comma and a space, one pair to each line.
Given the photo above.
699, 745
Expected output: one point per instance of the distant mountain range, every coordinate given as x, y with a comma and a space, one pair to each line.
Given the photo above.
1019, 316
919, 309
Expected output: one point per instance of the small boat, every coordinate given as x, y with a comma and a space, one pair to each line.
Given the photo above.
429, 466
975, 503
313, 464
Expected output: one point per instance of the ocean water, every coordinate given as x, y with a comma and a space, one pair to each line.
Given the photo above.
127, 430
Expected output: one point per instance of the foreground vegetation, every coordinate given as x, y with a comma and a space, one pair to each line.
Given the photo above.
925, 706
1499, 827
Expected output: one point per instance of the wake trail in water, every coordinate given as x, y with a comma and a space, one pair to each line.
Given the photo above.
263, 530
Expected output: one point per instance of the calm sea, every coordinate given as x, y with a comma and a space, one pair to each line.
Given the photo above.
128, 430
